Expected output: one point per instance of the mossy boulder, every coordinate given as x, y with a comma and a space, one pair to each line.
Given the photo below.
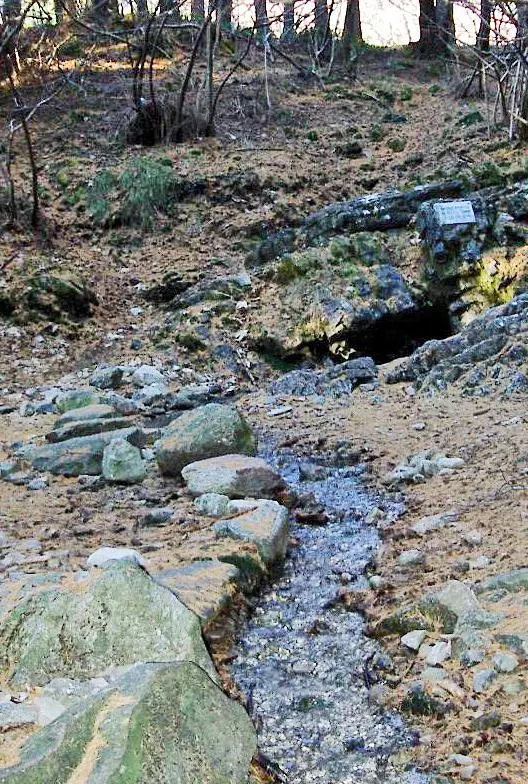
156, 723
209, 431
120, 616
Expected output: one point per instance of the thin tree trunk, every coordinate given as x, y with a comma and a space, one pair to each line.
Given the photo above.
321, 18
351, 30
197, 10
522, 24
426, 22
483, 35
288, 29
261, 16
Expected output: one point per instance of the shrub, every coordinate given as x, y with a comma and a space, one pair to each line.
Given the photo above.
135, 196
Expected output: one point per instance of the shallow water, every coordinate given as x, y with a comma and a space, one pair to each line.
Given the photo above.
302, 657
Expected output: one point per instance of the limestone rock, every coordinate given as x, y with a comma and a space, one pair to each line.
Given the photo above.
209, 431
122, 462
265, 523
120, 616
155, 723
236, 476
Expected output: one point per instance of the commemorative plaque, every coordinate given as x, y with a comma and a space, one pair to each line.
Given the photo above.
450, 213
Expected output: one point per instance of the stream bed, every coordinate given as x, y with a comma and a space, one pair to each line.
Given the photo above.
303, 658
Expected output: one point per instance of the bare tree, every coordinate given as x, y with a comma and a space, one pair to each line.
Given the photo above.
483, 35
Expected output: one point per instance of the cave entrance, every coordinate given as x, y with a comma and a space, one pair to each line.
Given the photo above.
399, 335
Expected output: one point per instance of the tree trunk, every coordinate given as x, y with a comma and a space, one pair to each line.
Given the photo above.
197, 10
262, 21
522, 24
321, 18
437, 27
288, 29
483, 35
351, 30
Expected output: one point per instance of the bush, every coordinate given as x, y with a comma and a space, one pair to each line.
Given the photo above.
135, 196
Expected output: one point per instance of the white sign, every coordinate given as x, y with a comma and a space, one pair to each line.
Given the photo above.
449, 213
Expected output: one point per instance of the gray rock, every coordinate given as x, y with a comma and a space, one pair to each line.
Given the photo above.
482, 680
330, 382
156, 517
14, 716
155, 723
211, 504
413, 640
80, 455
8, 467
121, 405
118, 617
145, 375
122, 462
236, 476
108, 377
411, 558
438, 653
205, 587
505, 662
86, 427
95, 411
104, 555
264, 523
433, 523
150, 396
38, 483
75, 398
516, 580
208, 431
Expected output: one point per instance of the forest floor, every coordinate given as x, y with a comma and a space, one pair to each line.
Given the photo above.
265, 169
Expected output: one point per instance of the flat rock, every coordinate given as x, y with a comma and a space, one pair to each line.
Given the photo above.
236, 476
413, 640
14, 716
205, 587
264, 523
513, 581
86, 427
119, 616
208, 431
75, 398
95, 411
80, 455
155, 723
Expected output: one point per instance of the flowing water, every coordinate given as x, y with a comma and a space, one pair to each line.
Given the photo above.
302, 658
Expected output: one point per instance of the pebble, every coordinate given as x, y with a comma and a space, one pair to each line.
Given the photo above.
472, 537
505, 662
155, 517
411, 558
483, 679
280, 411
414, 639
38, 483
418, 426
438, 653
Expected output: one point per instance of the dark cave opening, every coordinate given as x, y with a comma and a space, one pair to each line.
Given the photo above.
399, 335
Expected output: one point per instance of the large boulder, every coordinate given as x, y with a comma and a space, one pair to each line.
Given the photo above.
82, 455
236, 476
208, 431
118, 616
156, 723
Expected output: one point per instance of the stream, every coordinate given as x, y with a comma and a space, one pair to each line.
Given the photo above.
302, 657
